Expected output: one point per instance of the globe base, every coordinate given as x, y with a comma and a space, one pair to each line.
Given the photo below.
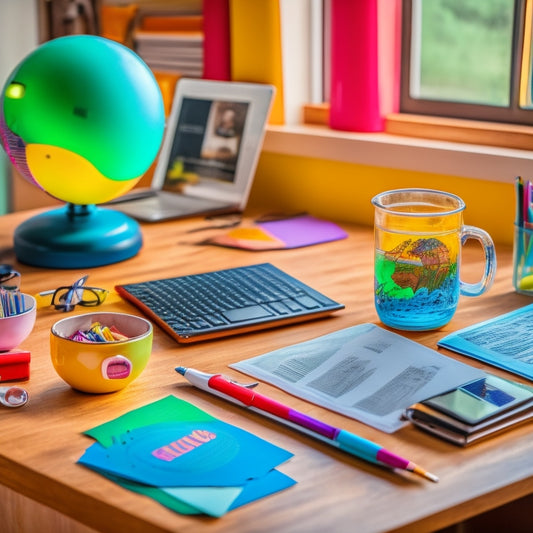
77, 236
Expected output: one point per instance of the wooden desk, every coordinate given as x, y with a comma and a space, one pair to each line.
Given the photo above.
40, 443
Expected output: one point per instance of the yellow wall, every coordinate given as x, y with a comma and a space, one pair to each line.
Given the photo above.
342, 191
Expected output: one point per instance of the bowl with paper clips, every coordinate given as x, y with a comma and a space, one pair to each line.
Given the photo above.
100, 352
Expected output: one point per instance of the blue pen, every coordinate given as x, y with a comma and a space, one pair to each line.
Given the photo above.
243, 395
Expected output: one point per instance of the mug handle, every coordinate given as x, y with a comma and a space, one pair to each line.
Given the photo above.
475, 289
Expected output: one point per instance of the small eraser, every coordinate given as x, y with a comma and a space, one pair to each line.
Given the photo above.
15, 365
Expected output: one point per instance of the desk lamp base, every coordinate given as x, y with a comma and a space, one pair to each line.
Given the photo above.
77, 236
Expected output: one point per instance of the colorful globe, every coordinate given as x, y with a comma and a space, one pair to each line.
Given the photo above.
82, 117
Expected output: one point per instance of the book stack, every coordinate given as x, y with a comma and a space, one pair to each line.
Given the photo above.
171, 43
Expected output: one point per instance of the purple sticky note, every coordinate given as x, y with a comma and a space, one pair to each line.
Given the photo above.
303, 230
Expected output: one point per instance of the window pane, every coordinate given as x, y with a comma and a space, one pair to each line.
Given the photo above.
462, 51
525, 100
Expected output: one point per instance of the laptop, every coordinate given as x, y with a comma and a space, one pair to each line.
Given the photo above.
209, 154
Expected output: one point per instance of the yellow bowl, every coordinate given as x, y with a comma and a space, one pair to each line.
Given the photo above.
14, 329
101, 367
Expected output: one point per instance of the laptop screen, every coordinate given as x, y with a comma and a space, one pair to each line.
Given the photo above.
206, 143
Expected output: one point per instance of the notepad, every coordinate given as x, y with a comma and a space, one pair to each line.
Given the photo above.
287, 233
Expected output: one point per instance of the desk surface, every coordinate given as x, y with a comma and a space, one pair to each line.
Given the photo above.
40, 443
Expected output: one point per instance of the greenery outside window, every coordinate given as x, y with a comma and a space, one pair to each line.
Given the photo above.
463, 58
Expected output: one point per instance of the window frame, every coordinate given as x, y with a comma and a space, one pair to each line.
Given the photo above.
419, 106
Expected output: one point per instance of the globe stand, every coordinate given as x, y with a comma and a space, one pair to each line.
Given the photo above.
77, 236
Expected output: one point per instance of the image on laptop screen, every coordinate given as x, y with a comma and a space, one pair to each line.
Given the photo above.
207, 142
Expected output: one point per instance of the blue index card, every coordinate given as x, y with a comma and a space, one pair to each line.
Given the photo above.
187, 454
213, 501
216, 501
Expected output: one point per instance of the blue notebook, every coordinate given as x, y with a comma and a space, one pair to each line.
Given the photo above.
504, 341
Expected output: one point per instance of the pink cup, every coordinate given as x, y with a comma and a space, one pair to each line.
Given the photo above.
15, 329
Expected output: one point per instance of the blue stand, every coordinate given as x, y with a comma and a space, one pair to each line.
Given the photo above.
77, 236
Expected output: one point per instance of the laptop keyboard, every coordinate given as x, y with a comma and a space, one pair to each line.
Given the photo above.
225, 301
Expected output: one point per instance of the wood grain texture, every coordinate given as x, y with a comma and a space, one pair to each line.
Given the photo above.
20, 514
40, 443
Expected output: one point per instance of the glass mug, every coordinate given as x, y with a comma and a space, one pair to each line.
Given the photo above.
418, 238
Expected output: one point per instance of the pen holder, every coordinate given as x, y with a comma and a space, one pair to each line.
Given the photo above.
523, 260
16, 327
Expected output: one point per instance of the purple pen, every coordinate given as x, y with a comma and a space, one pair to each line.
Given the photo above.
346, 441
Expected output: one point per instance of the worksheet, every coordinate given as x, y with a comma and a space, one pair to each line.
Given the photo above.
364, 372
504, 341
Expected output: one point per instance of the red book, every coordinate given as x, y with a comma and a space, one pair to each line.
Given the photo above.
217, 52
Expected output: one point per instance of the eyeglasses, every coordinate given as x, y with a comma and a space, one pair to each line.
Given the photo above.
9, 278
66, 298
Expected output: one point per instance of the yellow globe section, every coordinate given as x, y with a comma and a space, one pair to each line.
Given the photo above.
70, 177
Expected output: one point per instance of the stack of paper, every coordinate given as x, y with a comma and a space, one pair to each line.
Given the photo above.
186, 459
179, 52
171, 42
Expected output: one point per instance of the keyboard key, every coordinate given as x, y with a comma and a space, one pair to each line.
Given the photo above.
307, 302
215, 320
293, 306
247, 313
280, 308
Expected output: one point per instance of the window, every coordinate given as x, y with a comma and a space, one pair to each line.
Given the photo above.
467, 59
487, 42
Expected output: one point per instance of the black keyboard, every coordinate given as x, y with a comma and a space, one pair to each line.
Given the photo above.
225, 302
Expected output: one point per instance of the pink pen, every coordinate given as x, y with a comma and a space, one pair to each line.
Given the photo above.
527, 207
245, 396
